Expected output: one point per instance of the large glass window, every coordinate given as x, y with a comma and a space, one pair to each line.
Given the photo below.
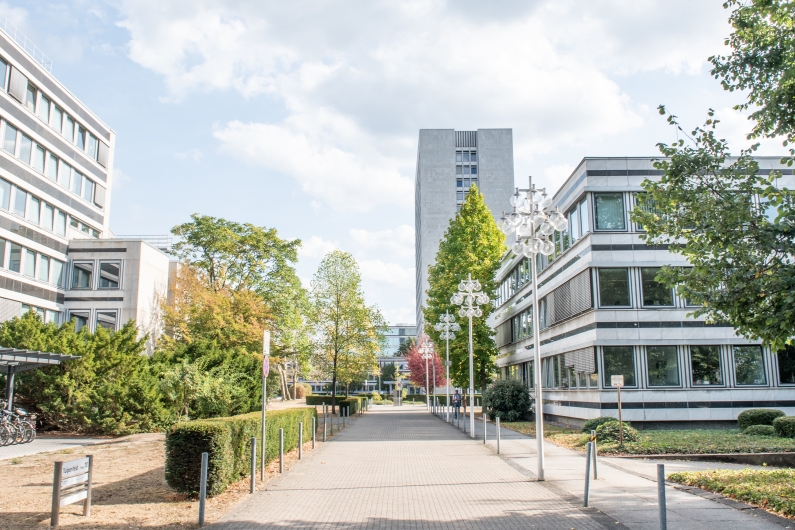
786, 366
44, 268
34, 210
619, 360
654, 292
584, 225
77, 183
82, 273
25, 148
614, 287
60, 223
91, 148
705, 364
81, 138
30, 98
69, 128
88, 190
44, 109
5, 194
38, 159
57, 119
64, 174
30, 263
14, 257
80, 318
47, 215
574, 225
609, 211
107, 320
109, 274
663, 365
2, 252
749, 365
20, 201
10, 140
3, 72
52, 167
57, 272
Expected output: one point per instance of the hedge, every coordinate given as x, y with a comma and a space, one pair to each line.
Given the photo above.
760, 430
342, 402
785, 426
751, 417
594, 423
227, 440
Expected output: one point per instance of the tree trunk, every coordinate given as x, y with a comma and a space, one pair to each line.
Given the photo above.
295, 379
334, 385
347, 390
285, 395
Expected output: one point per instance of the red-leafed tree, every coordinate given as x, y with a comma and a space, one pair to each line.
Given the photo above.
417, 366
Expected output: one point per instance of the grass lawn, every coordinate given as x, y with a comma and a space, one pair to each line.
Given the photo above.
773, 489
692, 441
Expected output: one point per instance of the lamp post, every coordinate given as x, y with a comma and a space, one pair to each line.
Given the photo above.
533, 223
426, 350
447, 325
470, 297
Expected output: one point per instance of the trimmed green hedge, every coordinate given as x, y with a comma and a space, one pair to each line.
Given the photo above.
751, 417
227, 440
785, 426
594, 423
760, 430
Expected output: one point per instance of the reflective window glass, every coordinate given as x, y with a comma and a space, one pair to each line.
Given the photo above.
466, 157
619, 360
458, 157
77, 183
609, 211
2, 252
30, 263
614, 287
20, 201
5, 194
69, 128
705, 365
749, 365
584, 225
30, 98
109, 274
92, 146
80, 141
786, 366
57, 119
88, 190
52, 167
64, 173
473, 157
82, 273
654, 292
44, 268
38, 159
574, 224
10, 140
473, 170
34, 209
80, 318
60, 223
107, 320
3, 70
44, 109
25, 148
14, 257
663, 365
47, 215
53, 317
459, 170
57, 273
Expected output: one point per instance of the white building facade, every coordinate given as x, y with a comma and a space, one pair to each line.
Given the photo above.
396, 336
602, 313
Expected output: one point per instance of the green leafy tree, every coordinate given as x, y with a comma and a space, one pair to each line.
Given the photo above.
472, 245
404, 348
349, 333
388, 373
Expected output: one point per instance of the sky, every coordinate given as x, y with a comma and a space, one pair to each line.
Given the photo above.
304, 116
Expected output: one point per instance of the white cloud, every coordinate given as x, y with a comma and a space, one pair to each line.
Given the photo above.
398, 241
386, 272
194, 154
315, 247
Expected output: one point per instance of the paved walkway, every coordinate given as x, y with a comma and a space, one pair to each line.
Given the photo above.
44, 445
400, 467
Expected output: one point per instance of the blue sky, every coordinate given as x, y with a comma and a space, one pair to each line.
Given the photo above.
304, 115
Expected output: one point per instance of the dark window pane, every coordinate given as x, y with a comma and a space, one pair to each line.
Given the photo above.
459, 183
458, 170
109, 274
107, 320
473, 157
613, 287
654, 292
15, 257
609, 211
749, 365
474, 170
705, 363
619, 360
80, 318
458, 157
786, 366
81, 275
663, 365
466, 157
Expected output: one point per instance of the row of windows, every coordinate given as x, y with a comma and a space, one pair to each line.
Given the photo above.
30, 263
466, 170
17, 201
47, 111
701, 366
83, 277
22, 147
103, 318
615, 291
47, 315
466, 156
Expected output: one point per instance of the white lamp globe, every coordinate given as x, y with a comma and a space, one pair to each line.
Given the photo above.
547, 248
546, 228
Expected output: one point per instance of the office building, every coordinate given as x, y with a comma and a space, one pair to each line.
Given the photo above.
396, 336
448, 163
602, 313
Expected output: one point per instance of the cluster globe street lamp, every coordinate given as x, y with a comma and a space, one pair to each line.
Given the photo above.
470, 297
427, 353
447, 326
533, 223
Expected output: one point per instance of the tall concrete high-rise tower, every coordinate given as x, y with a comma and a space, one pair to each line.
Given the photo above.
448, 162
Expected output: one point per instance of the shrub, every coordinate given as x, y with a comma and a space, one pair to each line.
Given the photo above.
785, 426
227, 440
319, 400
760, 430
751, 417
302, 390
592, 425
507, 399
608, 432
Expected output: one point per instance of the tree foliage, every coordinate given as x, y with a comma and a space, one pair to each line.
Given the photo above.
416, 365
472, 245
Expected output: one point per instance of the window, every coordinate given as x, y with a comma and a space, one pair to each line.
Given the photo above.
38, 159
2, 252
88, 190
584, 226
64, 174
25, 148
53, 317
34, 210
44, 109
80, 318
107, 320
69, 128
614, 287
30, 263
3, 70
458, 157
52, 167
47, 215
30, 98
82, 275
60, 223
74, 223
574, 224
77, 183
109, 275
15, 257
473, 170
80, 141
663, 365
749, 366
20, 200
10, 140
92, 148
609, 211
786, 365
5, 194
44, 268
57, 273
619, 360
57, 119
706, 366
473, 157
654, 292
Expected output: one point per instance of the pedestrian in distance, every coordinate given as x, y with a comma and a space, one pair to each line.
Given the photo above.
456, 403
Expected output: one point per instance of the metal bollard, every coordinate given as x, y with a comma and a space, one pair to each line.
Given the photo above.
661, 496
588, 450
253, 464
339, 412
314, 431
281, 450
498, 435
203, 489
300, 440
593, 441
325, 423
485, 429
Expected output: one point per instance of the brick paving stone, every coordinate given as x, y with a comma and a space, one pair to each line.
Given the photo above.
402, 468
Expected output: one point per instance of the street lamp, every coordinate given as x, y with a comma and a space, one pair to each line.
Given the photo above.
533, 223
470, 297
426, 350
447, 325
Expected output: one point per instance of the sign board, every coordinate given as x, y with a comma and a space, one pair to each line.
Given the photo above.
266, 351
617, 381
75, 467
266, 366
71, 483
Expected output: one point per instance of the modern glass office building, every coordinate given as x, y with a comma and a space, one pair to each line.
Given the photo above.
602, 313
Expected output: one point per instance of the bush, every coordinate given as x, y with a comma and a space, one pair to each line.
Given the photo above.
592, 425
785, 426
302, 390
608, 432
227, 440
760, 430
751, 417
319, 400
507, 399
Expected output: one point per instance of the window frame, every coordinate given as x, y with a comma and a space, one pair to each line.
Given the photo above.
623, 212
92, 279
778, 368
678, 357
101, 311
734, 366
73, 313
599, 287
99, 275
721, 367
643, 291
605, 375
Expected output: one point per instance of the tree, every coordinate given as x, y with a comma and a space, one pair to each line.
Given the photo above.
349, 333
472, 245
417, 367
388, 373
405, 347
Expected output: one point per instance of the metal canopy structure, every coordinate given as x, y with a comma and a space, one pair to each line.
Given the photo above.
13, 361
